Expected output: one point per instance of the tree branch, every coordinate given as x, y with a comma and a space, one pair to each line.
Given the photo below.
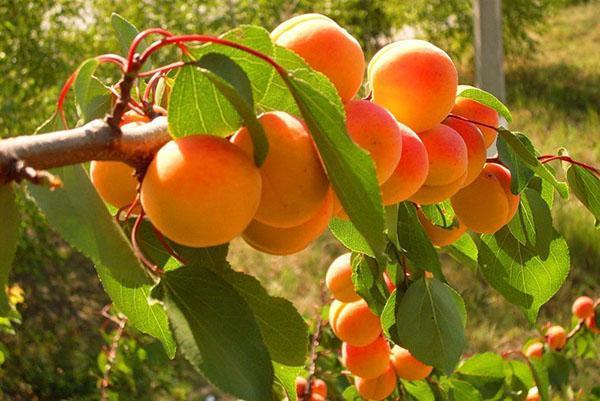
96, 140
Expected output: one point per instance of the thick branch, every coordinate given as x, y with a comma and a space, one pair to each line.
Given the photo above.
96, 140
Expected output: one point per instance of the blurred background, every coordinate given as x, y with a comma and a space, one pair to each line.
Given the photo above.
552, 68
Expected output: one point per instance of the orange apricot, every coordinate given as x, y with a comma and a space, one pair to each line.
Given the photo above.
475, 111
368, 361
556, 337
407, 366
115, 182
415, 80
447, 153
375, 130
441, 236
431, 194
378, 388
193, 187
590, 323
289, 240
476, 150
327, 48
339, 279
535, 350
583, 307
294, 181
318, 389
487, 204
411, 172
354, 322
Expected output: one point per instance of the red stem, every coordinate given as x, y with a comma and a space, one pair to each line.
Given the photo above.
165, 244
142, 35
548, 158
63, 95
163, 69
136, 247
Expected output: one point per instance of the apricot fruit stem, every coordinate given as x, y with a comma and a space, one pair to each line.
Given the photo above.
314, 345
153, 268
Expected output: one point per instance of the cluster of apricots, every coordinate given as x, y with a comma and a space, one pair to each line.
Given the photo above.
556, 336
204, 190
318, 389
365, 351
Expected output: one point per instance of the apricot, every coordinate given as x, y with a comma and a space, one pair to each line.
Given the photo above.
339, 279
411, 172
378, 388
133, 117
431, 194
368, 361
407, 366
476, 149
533, 395
294, 181
583, 307
354, 322
535, 350
375, 130
441, 236
487, 204
327, 48
115, 182
286, 241
318, 389
416, 81
201, 190
556, 337
590, 323
475, 111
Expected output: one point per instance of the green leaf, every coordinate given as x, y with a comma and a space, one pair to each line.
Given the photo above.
351, 394
488, 365
440, 214
233, 83
349, 236
559, 368
9, 238
350, 169
286, 377
367, 278
541, 378
463, 391
216, 331
414, 240
484, 98
464, 250
586, 187
419, 390
391, 224
532, 224
80, 217
430, 324
529, 158
125, 32
521, 174
519, 376
519, 273
92, 97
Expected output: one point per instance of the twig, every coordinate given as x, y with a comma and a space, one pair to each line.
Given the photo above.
314, 355
111, 356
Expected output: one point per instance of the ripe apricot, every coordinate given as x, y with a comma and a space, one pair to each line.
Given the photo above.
407, 366
318, 389
441, 236
476, 149
339, 279
375, 130
583, 307
590, 323
411, 172
378, 388
201, 190
354, 322
535, 350
431, 194
368, 361
294, 181
475, 111
327, 48
487, 204
115, 182
416, 81
533, 395
286, 241
556, 337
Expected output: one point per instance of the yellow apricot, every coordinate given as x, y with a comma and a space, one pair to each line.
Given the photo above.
378, 388
440, 236
535, 350
416, 81
375, 130
407, 366
411, 172
476, 149
556, 337
327, 48
368, 361
487, 204
354, 322
286, 241
339, 279
201, 190
115, 182
294, 181
475, 111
